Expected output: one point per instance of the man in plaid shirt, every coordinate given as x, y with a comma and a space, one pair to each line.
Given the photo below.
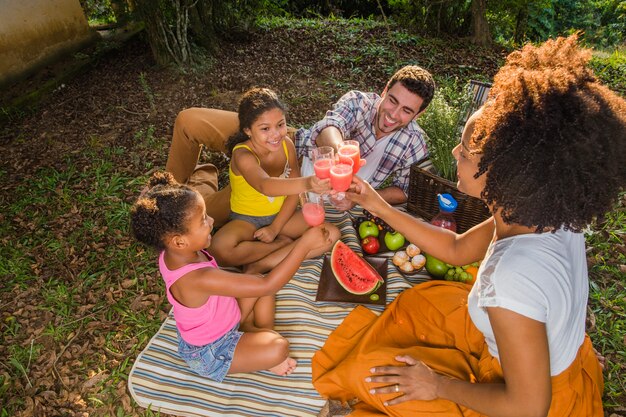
385, 126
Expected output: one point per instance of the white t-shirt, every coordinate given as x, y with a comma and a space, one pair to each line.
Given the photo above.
543, 277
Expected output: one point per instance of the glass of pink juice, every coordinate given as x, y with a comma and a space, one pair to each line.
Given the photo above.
341, 176
349, 150
323, 158
312, 208
322, 168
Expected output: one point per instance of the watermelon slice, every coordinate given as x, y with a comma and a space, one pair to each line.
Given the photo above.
353, 273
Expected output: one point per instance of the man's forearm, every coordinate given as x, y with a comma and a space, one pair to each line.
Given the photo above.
329, 136
392, 195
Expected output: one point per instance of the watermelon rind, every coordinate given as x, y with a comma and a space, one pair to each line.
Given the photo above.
353, 272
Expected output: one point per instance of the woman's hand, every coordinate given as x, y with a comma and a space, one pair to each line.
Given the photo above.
319, 186
341, 204
415, 381
363, 194
265, 234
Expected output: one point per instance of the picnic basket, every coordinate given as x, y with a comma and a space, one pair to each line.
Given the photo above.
424, 185
422, 199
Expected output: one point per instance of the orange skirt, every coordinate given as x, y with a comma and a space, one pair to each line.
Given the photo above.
431, 322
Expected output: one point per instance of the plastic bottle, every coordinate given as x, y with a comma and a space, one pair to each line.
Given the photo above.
445, 219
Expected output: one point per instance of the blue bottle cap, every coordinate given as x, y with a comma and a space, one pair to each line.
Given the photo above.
447, 203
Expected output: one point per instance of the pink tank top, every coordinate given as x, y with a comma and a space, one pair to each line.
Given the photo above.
205, 324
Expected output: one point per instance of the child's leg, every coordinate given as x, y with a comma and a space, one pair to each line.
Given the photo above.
234, 244
262, 350
294, 228
257, 313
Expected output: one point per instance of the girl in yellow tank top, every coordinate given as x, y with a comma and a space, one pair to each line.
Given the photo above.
265, 180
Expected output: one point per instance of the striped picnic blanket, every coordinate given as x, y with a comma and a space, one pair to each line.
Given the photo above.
161, 381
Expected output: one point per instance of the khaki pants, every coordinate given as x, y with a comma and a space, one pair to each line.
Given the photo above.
194, 128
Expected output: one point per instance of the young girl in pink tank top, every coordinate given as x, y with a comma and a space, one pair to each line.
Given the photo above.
224, 319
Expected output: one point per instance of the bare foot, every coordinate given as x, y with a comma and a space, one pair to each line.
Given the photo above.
285, 367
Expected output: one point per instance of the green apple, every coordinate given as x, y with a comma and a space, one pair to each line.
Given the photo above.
436, 268
368, 228
394, 241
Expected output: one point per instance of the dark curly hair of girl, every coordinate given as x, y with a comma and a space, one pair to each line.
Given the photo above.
552, 139
253, 104
161, 210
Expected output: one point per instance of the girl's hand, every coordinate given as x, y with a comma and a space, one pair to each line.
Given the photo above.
363, 194
319, 186
415, 381
315, 237
265, 234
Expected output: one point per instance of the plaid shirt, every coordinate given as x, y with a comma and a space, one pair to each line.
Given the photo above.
354, 115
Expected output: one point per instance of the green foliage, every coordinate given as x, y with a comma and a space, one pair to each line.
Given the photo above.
611, 69
607, 297
324, 8
440, 121
434, 17
98, 11
602, 22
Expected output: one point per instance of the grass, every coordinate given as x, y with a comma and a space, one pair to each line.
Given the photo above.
56, 206
607, 298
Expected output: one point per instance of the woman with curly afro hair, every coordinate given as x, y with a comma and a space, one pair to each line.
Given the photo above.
546, 154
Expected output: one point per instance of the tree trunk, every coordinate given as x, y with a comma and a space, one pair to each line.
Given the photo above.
521, 22
167, 25
201, 24
480, 33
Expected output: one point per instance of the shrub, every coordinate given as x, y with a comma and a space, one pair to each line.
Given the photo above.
441, 121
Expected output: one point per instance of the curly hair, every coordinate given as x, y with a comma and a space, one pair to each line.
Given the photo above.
552, 139
417, 80
252, 105
161, 210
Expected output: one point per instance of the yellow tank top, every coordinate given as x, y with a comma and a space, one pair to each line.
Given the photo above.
244, 199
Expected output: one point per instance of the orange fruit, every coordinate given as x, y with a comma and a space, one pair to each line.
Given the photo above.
473, 271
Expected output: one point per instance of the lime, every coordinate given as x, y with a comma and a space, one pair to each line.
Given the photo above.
374, 297
435, 267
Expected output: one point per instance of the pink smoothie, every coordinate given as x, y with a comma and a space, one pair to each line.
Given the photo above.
347, 152
341, 177
322, 168
313, 214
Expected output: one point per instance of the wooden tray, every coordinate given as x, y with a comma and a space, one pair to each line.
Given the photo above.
330, 290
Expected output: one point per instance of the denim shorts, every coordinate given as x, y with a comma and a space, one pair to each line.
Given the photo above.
213, 360
257, 221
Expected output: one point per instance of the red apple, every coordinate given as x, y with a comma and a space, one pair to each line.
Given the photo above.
370, 245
